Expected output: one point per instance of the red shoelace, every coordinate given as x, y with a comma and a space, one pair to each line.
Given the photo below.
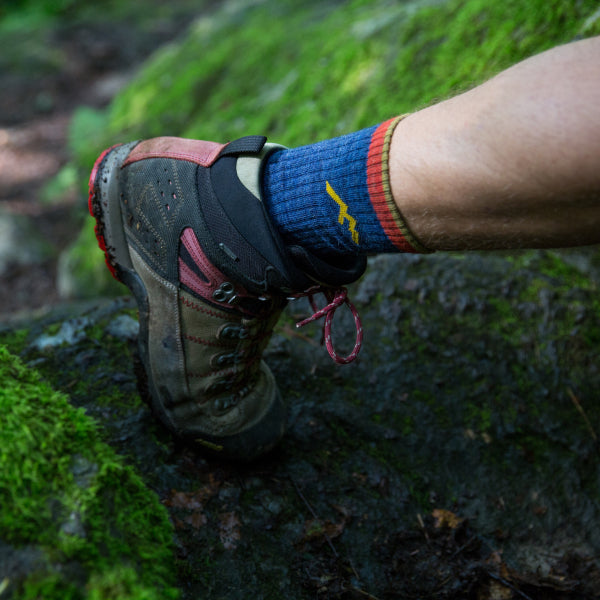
335, 298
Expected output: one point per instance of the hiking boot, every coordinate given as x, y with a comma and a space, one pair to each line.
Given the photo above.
183, 226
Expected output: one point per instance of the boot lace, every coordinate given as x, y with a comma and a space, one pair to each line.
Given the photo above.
335, 299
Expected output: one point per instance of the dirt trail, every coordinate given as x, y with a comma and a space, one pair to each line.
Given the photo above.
35, 112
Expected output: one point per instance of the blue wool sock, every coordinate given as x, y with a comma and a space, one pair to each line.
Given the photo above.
334, 196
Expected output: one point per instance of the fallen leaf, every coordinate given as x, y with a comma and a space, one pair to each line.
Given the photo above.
361, 478
345, 512
446, 519
197, 519
498, 591
192, 500
470, 434
315, 529
183, 500
229, 530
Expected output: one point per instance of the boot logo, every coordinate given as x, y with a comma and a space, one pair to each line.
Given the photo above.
343, 214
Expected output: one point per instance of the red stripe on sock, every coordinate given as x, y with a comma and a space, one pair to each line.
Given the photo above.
381, 198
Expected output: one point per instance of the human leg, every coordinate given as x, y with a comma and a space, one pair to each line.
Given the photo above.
512, 163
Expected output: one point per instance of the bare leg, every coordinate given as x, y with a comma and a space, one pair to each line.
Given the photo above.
512, 163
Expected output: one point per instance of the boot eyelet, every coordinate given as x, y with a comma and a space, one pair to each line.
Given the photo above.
225, 292
225, 359
233, 332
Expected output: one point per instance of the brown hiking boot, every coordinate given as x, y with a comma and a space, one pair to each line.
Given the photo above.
182, 225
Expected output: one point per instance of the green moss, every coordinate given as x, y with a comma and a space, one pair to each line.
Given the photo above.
72, 497
15, 339
365, 53
45, 585
60, 186
460, 44
479, 416
106, 382
304, 72
86, 135
123, 583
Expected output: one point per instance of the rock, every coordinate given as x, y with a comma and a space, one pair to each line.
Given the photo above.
468, 397
70, 332
82, 272
124, 327
72, 510
20, 243
16, 564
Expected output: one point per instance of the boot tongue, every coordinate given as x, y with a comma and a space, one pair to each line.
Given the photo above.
249, 168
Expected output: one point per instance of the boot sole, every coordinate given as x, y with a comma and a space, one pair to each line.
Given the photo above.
111, 240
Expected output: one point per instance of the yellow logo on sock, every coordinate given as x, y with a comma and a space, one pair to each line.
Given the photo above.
343, 214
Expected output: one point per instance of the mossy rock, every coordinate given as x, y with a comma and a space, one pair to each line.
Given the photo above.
304, 72
300, 74
474, 398
81, 270
76, 522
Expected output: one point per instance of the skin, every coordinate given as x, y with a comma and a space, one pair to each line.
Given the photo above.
512, 163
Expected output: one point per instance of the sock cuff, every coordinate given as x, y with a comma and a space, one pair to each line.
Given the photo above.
380, 191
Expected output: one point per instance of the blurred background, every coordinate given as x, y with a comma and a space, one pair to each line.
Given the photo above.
61, 58
78, 76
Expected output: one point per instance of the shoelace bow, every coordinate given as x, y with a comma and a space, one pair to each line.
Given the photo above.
335, 298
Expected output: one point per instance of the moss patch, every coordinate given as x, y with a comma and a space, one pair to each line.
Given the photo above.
70, 496
304, 72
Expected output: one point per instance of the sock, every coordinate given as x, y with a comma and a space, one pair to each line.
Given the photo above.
335, 197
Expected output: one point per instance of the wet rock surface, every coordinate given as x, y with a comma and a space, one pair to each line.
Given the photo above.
458, 458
